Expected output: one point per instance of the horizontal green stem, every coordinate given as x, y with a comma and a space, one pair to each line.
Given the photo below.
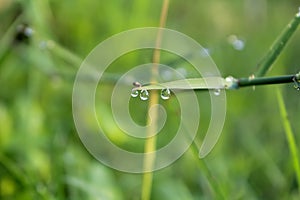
187, 84
244, 82
221, 83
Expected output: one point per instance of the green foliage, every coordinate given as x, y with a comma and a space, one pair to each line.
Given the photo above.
41, 156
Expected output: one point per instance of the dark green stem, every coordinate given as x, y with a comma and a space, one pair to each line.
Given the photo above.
244, 82
278, 46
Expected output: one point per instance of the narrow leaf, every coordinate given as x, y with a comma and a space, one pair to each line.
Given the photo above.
188, 84
290, 137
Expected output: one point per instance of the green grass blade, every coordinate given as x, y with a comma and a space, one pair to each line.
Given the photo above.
277, 47
290, 137
188, 84
7, 39
215, 186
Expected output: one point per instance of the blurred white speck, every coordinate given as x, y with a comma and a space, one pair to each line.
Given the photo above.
43, 44
236, 43
28, 31
182, 71
46, 44
298, 14
167, 75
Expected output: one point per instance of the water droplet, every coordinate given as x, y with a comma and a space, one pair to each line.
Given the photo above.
237, 44
182, 72
297, 86
166, 75
231, 83
229, 79
165, 94
217, 92
144, 95
298, 14
296, 83
134, 93
28, 31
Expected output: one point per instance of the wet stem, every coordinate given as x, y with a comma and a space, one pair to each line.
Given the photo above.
150, 144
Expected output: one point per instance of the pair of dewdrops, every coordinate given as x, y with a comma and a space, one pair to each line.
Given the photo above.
144, 94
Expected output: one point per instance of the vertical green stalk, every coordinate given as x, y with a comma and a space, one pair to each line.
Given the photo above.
290, 137
150, 144
40, 16
215, 186
264, 67
277, 47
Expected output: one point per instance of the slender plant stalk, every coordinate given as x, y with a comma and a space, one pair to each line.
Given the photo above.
264, 67
221, 83
150, 144
14, 170
64, 53
290, 137
244, 82
40, 15
215, 186
6, 43
267, 61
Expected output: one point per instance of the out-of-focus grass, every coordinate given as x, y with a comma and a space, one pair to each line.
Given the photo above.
290, 138
41, 155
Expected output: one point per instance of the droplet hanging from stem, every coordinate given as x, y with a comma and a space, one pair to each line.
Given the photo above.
165, 94
144, 95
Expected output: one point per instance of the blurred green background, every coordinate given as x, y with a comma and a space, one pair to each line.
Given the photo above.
42, 43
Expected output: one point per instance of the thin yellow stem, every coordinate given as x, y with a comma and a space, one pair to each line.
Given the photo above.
150, 144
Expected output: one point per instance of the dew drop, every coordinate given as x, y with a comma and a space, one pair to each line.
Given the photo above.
144, 95
217, 92
296, 83
165, 94
166, 75
229, 79
298, 14
134, 93
182, 72
237, 44
297, 86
